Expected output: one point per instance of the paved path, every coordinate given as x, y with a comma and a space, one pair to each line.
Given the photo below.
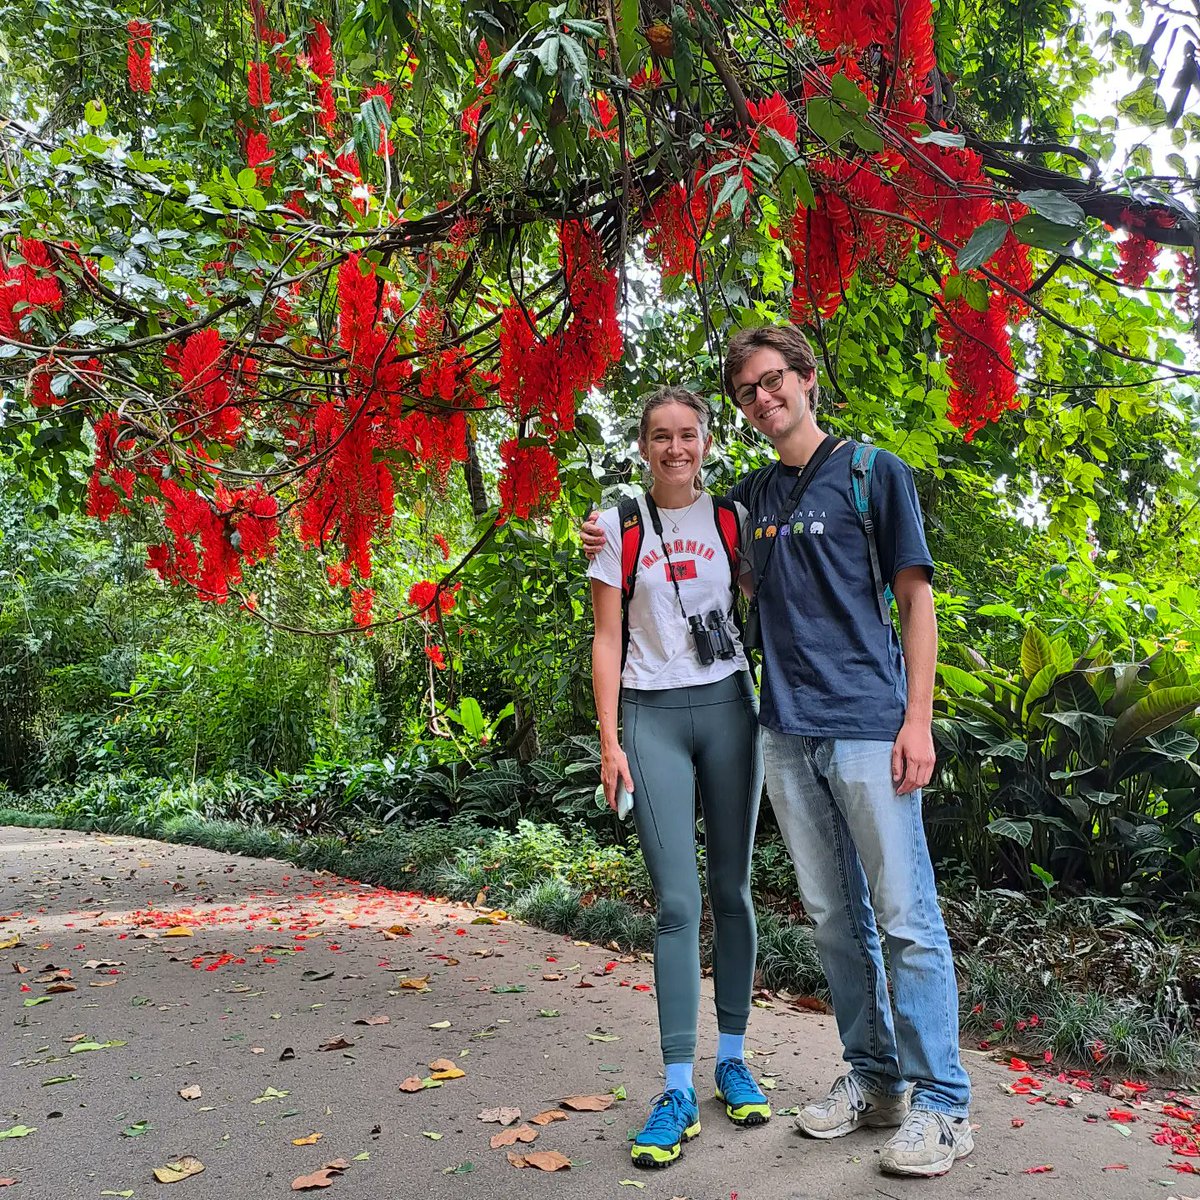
234, 977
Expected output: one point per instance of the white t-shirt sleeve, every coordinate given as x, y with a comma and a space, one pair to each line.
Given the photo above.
606, 566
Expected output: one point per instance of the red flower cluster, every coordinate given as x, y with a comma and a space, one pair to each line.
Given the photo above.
31, 284
528, 479
606, 116
204, 366
978, 350
1138, 254
201, 552
829, 241
104, 498
436, 656
431, 601
440, 542
544, 374
254, 515
676, 222
138, 50
259, 157
258, 84
362, 600
837, 25
773, 113
485, 82
648, 78
320, 59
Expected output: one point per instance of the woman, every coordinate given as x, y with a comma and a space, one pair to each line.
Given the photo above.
688, 718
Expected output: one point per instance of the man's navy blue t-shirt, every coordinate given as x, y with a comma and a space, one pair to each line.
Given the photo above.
831, 667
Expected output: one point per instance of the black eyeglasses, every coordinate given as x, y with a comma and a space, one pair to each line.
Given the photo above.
772, 381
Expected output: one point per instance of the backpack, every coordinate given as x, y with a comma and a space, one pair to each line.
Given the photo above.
862, 466
629, 520
862, 463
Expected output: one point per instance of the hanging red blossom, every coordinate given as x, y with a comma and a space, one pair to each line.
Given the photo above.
432, 601
203, 368
109, 482
139, 49
258, 84
978, 351
320, 58
253, 514
773, 113
361, 602
260, 158
648, 78
440, 542
606, 117
1138, 254
529, 481
436, 656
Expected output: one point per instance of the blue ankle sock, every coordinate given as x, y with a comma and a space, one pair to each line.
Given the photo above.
730, 1045
679, 1077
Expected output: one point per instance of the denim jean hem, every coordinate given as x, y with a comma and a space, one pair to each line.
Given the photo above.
954, 1111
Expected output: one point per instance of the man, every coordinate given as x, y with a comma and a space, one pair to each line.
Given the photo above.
848, 745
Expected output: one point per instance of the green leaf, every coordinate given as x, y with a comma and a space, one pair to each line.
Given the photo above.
1034, 230
95, 112
470, 716
982, 244
1017, 831
1153, 713
1036, 652
942, 137
1054, 206
1038, 690
17, 1131
962, 681
81, 1047
36, 1000
848, 92
825, 120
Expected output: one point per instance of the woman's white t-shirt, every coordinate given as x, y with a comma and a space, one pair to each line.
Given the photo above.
661, 652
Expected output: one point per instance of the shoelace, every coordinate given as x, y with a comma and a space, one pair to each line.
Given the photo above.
735, 1076
854, 1094
666, 1115
911, 1135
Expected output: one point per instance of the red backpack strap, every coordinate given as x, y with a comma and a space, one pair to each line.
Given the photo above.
629, 518
729, 529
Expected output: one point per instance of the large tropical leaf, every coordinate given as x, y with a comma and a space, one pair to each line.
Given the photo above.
1037, 652
1153, 713
1039, 688
1018, 831
958, 680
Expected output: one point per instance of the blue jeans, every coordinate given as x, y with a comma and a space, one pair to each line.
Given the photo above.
863, 866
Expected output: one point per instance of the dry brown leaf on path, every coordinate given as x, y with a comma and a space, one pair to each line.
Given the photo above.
318, 1179
552, 977
191, 1092
505, 1116
510, 1137
338, 1043
411, 1084
7, 1182
393, 932
517, 1160
181, 1168
311, 1140
551, 1114
56, 989
587, 1103
548, 1160
338, 1164
416, 984
379, 1019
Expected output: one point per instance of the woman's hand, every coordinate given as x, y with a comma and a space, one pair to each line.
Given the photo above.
592, 535
614, 768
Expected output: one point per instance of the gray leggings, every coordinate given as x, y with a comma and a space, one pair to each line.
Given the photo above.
704, 735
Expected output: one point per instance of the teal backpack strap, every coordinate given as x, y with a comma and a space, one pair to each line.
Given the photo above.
862, 464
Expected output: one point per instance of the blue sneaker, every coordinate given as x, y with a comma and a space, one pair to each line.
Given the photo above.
743, 1099
674, 1119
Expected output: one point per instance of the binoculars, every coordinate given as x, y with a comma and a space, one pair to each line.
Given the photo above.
710, 636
